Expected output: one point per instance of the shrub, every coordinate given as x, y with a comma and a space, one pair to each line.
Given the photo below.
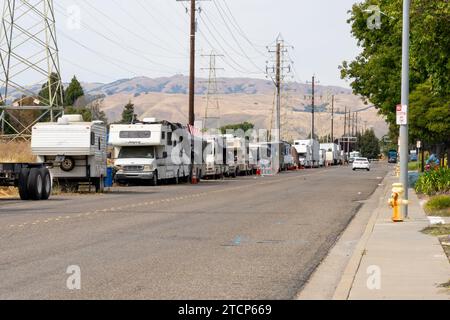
439, 202
434, 182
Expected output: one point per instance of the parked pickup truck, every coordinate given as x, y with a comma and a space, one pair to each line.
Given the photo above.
32, 179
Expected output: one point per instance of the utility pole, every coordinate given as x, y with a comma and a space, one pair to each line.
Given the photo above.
313, 105
348, 133
332, 118
405, 102
276, 72
345, 129
278, 88
193, 31
192, 66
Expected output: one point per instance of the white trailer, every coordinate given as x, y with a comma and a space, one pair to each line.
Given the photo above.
308, 152
333, 153
75, 150
215, 157
150, 151
322, 157
240, 148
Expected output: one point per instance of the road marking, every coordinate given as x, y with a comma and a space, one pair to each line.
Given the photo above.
168, 200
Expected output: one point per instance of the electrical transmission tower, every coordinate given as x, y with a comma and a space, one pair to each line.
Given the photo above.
212, 109
30, 79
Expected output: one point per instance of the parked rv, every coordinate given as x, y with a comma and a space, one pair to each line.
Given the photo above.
150, 151
288, 160
215, 157
333, 153
74, 150
308, 152
322, 157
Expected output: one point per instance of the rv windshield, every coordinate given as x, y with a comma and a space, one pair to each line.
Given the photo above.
137, 153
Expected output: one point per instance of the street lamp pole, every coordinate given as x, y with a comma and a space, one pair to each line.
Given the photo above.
404, 139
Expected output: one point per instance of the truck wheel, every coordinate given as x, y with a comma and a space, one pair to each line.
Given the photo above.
155, 179
47, 184
35, 184
100, 185
23, 184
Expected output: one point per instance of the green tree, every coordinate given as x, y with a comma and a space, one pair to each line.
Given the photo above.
54, 85
369, 145
245, 126
376, 71
90, 113
73, 92
128, 115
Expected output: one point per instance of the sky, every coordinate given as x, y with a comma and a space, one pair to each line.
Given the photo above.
107, 40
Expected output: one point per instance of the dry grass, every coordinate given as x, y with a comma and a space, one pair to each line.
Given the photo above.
16, 152
8, 192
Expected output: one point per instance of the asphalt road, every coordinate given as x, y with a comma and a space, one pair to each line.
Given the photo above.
248, 238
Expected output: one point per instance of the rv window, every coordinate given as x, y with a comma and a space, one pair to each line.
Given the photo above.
163, 135
99, 143
169, 138
137, 153
92, 138
135, 134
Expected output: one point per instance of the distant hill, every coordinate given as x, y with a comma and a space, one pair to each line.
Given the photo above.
241, 99
179, 84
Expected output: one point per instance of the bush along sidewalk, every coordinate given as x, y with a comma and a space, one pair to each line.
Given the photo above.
434, 182
438, 206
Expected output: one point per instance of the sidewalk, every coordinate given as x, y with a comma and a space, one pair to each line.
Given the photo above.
411, 265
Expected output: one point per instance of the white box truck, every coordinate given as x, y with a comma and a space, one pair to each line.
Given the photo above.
75, 150
150, 151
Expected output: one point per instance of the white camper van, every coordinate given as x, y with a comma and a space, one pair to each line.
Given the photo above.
74, 149
151, 151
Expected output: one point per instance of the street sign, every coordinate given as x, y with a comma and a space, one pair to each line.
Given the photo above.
402, 115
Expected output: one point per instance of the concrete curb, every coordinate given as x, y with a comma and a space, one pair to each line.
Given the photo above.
344, 287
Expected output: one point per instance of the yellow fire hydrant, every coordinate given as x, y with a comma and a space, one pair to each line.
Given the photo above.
396, 201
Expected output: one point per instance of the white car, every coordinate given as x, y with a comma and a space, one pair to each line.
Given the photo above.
361, 164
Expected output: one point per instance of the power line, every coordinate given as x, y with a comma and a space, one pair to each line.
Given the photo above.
223, 38
240, 68
137, 22
232, 35
120, 45
241, 31
129, 31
